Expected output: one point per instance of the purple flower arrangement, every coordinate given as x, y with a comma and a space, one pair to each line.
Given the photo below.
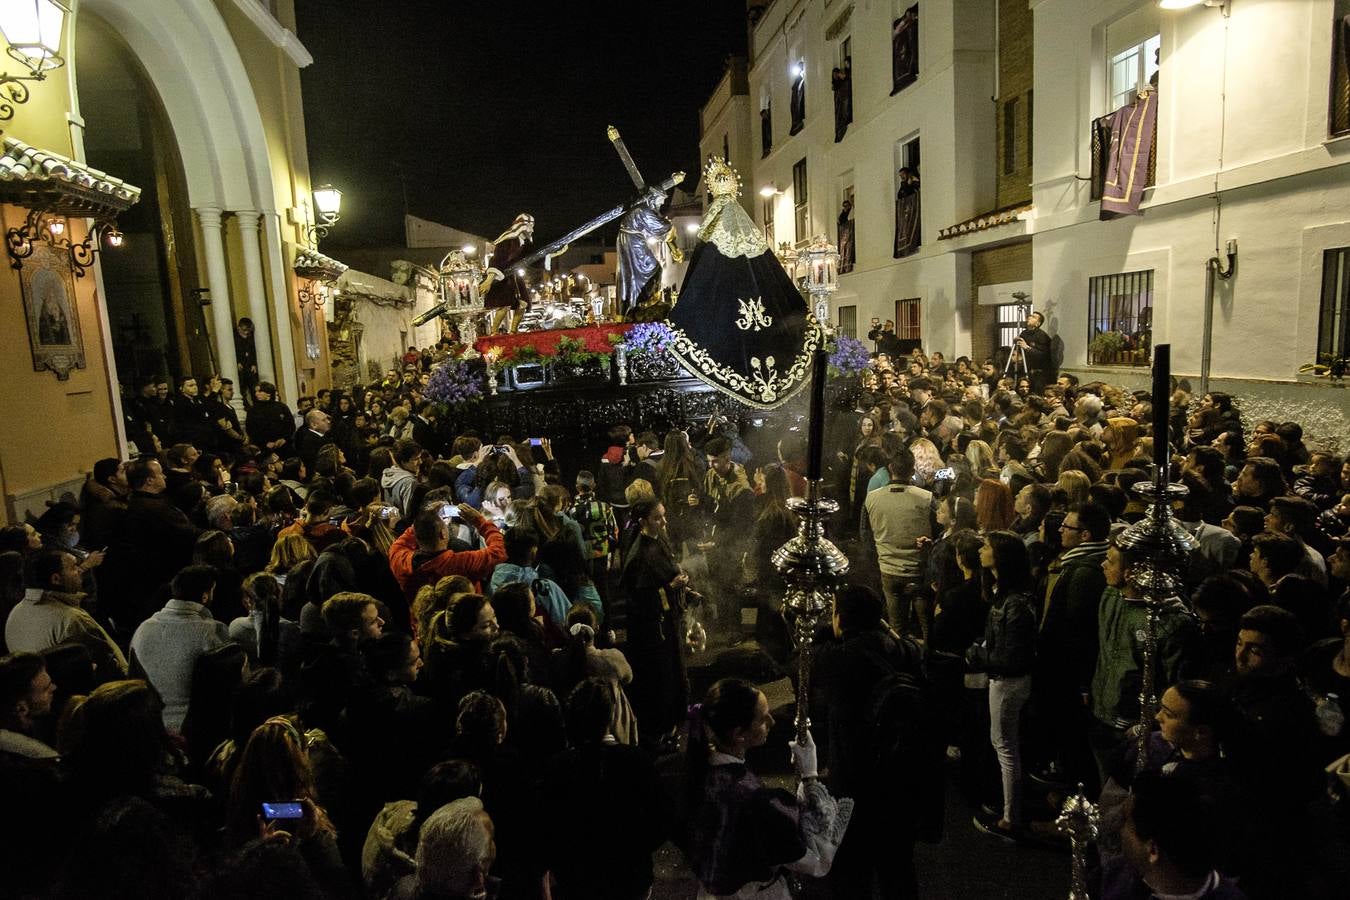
649, 337
453, 384
849, 356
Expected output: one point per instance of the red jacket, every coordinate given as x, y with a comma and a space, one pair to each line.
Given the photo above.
413, 569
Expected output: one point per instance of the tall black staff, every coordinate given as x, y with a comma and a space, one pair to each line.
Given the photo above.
1159, 540
812, 566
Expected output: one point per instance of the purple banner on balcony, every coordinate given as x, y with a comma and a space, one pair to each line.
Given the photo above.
1132, 134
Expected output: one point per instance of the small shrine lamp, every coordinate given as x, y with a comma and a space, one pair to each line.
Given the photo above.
460, 278
820, 260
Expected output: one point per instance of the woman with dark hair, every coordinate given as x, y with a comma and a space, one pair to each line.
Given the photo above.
456, 647
581, 659
260, 696
381, 458
533, 714
275, 767
953, 514
496, 463
1233, 450
1006, 654
620, 814
741, 837
655, 587
216, 675
1080, 459
562, 561
518, 615
678, 477
113, 744
869, 435
269, 638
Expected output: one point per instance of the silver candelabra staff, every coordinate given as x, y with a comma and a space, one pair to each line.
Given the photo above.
1079, 819
1160, 542
810, 564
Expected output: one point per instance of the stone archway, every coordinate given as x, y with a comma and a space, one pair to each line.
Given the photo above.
190, 58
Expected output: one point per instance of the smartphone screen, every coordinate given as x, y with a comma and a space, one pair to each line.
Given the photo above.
536, 442
289, 810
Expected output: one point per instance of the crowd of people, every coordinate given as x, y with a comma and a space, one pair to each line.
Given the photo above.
343, 651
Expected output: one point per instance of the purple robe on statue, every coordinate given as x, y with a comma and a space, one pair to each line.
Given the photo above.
1132, 134
638, 266
510, 291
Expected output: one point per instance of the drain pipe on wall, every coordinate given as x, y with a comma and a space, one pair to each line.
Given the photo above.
1213, 268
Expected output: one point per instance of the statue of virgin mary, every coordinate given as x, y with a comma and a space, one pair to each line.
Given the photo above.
740, 323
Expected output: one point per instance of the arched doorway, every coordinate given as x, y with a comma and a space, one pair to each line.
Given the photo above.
233, 203
157, 326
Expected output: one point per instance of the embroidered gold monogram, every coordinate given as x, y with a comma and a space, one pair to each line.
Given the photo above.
753, 315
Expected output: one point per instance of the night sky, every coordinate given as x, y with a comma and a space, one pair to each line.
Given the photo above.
490, 109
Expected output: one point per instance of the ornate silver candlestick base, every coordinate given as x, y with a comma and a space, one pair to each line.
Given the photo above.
1079, 819
813, 568
1164, 547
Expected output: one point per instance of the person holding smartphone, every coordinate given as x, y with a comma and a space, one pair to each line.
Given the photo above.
272, 796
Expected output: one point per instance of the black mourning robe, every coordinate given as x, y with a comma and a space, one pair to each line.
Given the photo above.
740, 323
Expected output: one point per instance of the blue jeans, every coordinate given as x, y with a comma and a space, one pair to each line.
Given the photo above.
898, 591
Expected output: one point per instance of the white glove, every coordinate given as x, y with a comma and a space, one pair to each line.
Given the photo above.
804, 757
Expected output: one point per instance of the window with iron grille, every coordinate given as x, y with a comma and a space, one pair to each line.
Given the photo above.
907, 321
769, 203
848, 321
1333, 319
799, 199
1120, 319
1010, 324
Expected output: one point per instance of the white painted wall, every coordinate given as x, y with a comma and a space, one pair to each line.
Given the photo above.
948, 108
383, 325
1284, 187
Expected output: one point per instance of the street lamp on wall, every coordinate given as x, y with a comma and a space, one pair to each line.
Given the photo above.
50, 228
32, 29
327, 208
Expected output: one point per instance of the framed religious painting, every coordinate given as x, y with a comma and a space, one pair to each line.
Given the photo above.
48, 289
